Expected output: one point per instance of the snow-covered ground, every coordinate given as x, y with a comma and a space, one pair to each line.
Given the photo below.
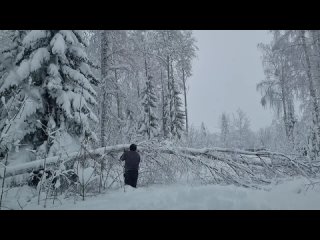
289, 195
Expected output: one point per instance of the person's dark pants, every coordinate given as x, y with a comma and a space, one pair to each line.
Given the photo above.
131, 178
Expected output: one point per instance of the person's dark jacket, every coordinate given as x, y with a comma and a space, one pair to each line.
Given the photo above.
132, 160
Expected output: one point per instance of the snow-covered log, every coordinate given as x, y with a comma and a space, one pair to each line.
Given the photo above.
65, 157
234, 158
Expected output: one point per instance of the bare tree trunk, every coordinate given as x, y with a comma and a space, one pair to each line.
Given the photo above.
284, 107
169, 94
119, 108
291, 121
136, 75
104, 50
163, 106
149, 123
147, 90
185, 100
146, 66
172, 101
288, 110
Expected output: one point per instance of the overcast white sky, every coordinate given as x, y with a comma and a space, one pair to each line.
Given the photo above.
225, 75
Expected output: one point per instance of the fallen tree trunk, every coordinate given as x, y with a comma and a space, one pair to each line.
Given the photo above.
238, 161
64, 157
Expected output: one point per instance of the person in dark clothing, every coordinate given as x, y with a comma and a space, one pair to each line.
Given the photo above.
131, 167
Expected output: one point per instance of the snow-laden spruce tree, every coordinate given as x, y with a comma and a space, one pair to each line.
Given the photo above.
10, 53
149, 125
51, 104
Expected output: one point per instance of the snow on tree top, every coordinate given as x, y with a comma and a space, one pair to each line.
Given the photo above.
34, 36
58, 45
40, 56
69, 36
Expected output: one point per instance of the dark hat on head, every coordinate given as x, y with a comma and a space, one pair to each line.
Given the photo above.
133, 147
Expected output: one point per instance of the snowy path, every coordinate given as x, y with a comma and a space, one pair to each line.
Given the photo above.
290, 195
